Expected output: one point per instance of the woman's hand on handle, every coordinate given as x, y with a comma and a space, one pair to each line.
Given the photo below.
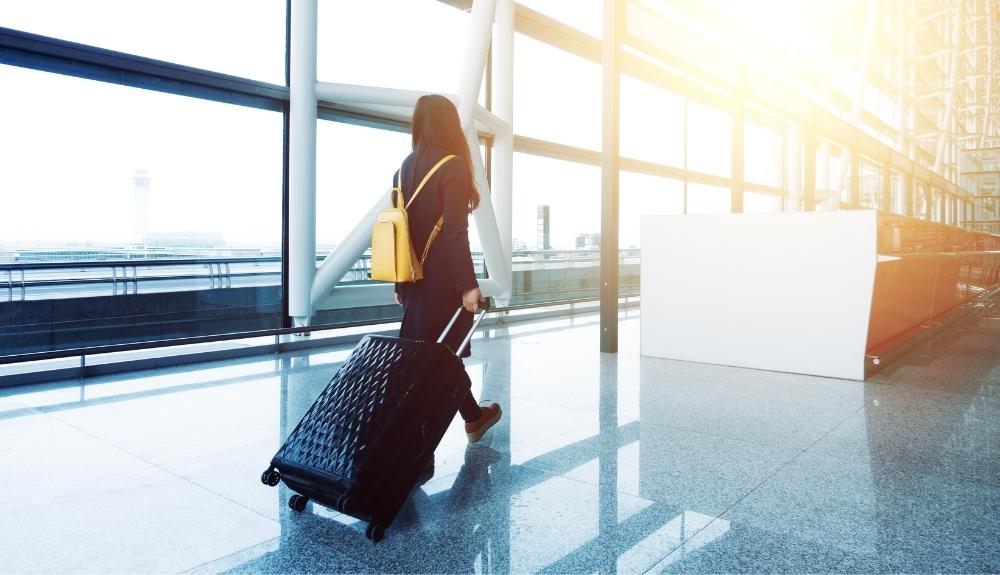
470, 299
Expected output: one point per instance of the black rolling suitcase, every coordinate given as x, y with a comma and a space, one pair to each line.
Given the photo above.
363, 444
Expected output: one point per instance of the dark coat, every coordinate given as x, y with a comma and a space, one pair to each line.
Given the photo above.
429, 304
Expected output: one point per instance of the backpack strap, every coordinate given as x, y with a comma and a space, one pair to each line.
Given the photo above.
430, 239
440, 163
440, 221
396, 197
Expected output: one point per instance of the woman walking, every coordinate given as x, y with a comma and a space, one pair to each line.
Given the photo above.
449, 278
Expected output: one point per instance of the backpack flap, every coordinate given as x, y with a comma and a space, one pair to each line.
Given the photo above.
393, 258
383, 250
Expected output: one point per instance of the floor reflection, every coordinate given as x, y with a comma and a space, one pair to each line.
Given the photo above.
494, 516
602, 464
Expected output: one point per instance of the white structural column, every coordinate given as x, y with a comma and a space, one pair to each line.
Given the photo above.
302, 161
477, 49
503, 142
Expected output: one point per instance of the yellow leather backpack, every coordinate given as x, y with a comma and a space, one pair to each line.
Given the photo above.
393, 256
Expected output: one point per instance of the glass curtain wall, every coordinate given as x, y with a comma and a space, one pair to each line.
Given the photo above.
708, 199
709, 140
358, 44
642, 195
871, 185
833, 175
762, 155
563, 107
227, 36
937, 205
897, 197
762, 202
556, 202
921, 201
652, 124
143, 175
134, 215
763, 167
556, 229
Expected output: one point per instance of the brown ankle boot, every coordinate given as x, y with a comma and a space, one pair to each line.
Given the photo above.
488, 416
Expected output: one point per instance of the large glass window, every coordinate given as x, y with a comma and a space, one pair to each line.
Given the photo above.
230, 36
119, 166
937, 205
709, 144
762, 161
833, 175
708, 199
641, 195
644, 195
897, 195
420, 47
572, 192
761, 202
558, 202
652, 123
921, 201
125, 187
557, 96
871, 185
354, 168
587, 17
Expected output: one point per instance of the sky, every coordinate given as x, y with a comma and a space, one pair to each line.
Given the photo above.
71, 146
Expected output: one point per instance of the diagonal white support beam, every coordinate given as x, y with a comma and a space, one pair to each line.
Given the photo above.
477, 49
487, 122
503, 141
338, 262
496, 243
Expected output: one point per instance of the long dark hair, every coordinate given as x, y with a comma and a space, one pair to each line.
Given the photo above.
436, 124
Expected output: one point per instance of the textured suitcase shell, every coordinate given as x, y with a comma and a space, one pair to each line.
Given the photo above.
361, 446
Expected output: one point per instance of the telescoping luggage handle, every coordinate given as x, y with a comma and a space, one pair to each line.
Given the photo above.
483, 308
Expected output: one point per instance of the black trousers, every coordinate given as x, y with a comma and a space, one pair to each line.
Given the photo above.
469, 409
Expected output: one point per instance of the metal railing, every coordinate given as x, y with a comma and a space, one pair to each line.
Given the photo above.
124, 277
46, 280
541, 278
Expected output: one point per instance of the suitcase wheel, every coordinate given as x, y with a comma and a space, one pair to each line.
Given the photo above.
375, 532
298, 503
270, 477
345, 504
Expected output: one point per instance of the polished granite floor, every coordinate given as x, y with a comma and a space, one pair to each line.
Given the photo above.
602, 463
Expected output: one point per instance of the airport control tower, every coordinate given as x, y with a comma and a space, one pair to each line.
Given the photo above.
140, 181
